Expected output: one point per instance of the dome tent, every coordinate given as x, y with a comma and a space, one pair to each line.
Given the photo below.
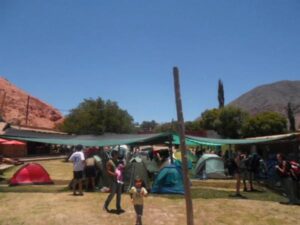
29, 174
135, 168
169, 181
210, 166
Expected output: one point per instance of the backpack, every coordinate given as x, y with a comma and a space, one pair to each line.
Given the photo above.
294, 169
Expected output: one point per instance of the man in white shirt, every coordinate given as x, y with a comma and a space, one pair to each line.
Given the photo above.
78, 167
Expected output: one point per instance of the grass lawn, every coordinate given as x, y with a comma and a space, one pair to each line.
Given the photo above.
54, 204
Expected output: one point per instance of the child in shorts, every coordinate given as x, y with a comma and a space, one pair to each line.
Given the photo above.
137, 194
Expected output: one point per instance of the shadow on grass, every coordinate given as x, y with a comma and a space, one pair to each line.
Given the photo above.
207, 193
33, 188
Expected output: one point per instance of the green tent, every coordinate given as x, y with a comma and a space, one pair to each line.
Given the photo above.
210, 166
169, 181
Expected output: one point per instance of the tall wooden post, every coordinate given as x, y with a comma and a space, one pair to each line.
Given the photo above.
2, 102
27, 110
171, 148
188, 198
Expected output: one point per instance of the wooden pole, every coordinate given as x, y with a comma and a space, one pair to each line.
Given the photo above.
2, 103
188, 198
27, 110
171, 148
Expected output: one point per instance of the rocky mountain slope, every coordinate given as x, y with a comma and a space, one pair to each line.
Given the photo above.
271, 97
13, 108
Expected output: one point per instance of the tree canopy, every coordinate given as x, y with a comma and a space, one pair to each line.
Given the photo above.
209, 119
148, 126
227, 121
96, 116
230, 122
266, 123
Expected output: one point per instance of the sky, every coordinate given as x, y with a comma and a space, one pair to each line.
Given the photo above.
65, 51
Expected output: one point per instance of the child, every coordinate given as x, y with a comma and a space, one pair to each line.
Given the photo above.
120, 171
137, 193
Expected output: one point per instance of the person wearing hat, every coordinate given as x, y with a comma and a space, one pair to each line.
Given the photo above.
78, 160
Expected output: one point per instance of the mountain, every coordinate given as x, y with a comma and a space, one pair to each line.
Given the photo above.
13, 108
271, 97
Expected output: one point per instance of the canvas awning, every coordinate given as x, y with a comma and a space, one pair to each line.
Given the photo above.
193, 142
134, 139
246, 141
89, 140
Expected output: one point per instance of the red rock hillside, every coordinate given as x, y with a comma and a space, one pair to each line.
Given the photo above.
13, 105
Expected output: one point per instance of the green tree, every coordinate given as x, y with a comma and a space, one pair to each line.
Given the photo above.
148, 126
266, 123
291, 117
167, 127
209, 119
221, 97
230, 122
192, 126
97, 117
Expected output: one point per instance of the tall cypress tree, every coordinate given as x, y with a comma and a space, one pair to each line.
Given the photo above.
291, 117
221, 94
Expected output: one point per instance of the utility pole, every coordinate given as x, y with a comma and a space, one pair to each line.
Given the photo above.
188, 198
2, 102
27, 110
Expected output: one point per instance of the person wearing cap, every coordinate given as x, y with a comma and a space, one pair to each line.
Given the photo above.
78, 160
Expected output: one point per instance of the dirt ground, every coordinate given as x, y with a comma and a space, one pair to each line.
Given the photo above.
54, 204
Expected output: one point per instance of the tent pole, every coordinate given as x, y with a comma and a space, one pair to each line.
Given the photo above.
188, 199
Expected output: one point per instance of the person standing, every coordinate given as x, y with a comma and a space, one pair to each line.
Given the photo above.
289, 185
237, 173
115, 187
78, 167
137, 194
90, 171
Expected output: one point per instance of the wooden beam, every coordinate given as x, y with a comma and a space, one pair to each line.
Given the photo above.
27, 111
187, 190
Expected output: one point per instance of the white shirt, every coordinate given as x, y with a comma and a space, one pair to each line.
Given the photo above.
78, 161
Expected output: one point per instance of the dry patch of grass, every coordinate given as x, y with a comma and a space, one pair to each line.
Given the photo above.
54, 204
63, 208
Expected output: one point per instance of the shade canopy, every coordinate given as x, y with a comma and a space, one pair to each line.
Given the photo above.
246, 141
92, 140
134, 139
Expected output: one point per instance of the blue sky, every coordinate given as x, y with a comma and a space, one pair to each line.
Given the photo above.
63, 51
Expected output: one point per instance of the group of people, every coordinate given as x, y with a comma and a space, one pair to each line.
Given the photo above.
288, 179
245, 167
115, 170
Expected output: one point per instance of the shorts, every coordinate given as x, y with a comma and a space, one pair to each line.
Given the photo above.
244, 174
78, 175
138, 209
90, 171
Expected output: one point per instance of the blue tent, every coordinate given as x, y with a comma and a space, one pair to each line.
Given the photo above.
169, 181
